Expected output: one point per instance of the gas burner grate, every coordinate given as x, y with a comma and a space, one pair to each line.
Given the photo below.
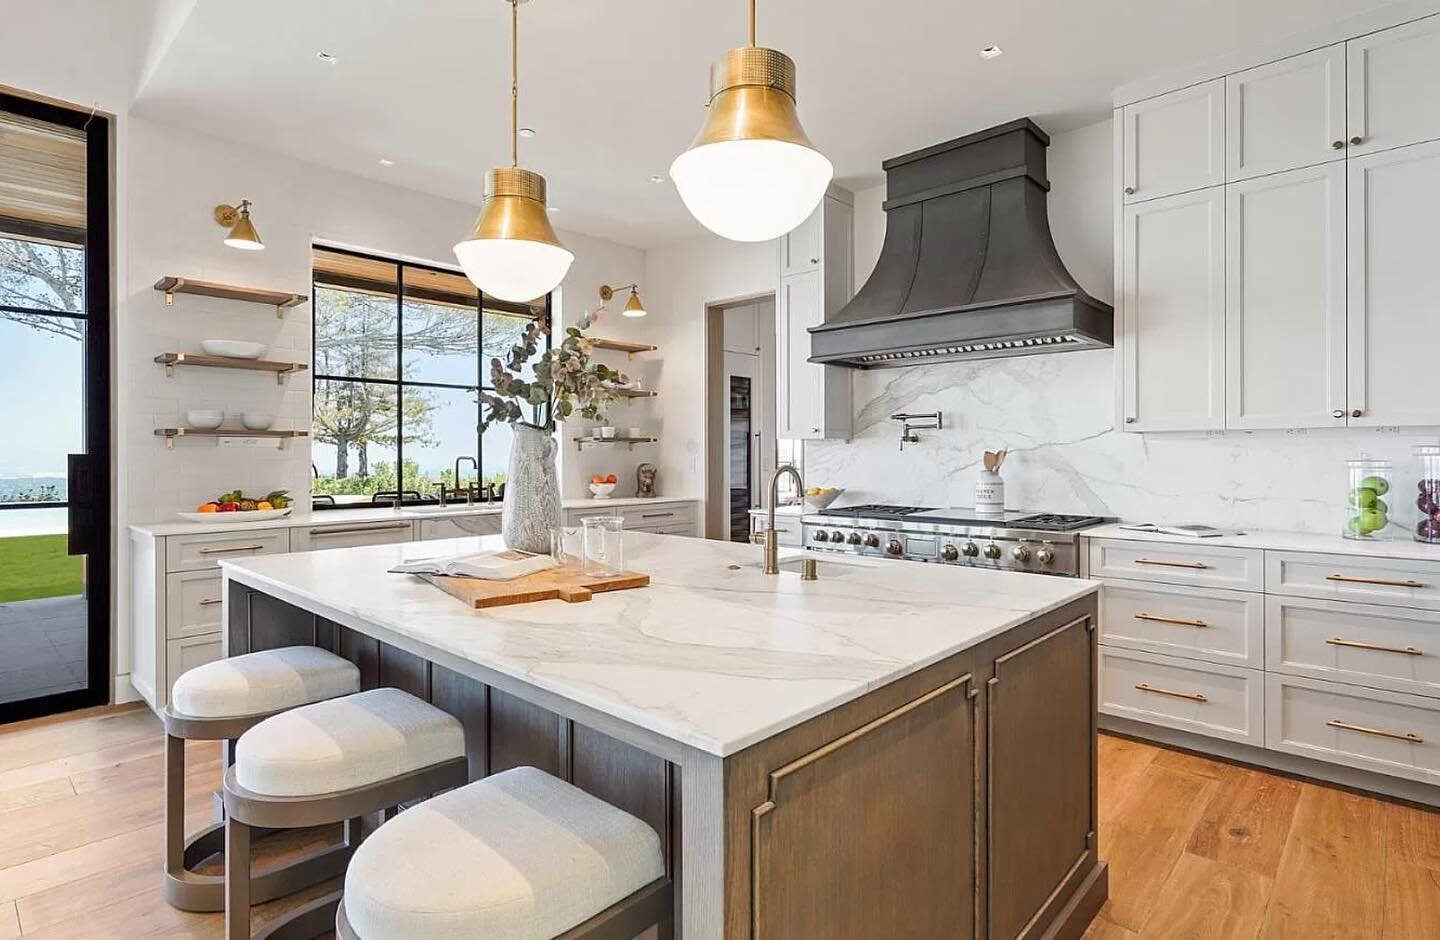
879, 510
1057, 522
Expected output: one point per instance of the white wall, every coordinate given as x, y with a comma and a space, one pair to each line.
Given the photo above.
1056, 412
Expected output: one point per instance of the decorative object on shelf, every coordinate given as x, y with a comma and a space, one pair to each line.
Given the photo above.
565, 383
1368, 515
990, 488
605, 432
603, 488
910, 423
633, 306
751, 174
281, 369
280, 300
1427, 499
242, 230
204, 420
256, 421
633, 432
513, 252
233, 348
645, 481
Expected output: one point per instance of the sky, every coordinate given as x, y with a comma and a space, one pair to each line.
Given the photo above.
41, 385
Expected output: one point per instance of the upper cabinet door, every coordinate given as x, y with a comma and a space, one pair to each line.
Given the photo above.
801, 398
1172, 307
800, 248
1286, 114
1394, 87
1394, 245
1285, 300
1174, 143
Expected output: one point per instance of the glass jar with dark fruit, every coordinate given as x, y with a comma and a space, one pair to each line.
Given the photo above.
1368, 514
1427, 497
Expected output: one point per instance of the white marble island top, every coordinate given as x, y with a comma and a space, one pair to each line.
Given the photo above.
713, 655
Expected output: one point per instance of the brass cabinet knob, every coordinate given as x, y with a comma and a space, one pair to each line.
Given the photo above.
1338, 144
1129, 190
1357, 140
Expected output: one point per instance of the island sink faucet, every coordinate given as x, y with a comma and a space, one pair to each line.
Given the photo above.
771, 537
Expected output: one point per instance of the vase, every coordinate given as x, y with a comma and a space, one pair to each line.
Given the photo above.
532, 491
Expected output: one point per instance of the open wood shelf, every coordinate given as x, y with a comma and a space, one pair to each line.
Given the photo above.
280, 300
620, 345
580, 442
635, 392
171, 433
281, 369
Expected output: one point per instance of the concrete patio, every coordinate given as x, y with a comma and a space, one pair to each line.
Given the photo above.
42, 647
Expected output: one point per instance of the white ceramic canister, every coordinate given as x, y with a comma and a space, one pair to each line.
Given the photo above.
989, 492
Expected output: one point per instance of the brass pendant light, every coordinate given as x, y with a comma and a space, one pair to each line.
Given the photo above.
513, 253
752, 174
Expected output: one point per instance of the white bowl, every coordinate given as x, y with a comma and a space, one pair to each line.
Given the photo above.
602, 490
256, 421
605, 433
233, 348
205, 420
824, 500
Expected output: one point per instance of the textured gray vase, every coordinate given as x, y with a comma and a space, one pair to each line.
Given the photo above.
532, 491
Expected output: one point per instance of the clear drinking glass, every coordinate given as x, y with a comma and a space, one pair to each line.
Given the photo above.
567, 546
1427, 499
604, 546
1369, 501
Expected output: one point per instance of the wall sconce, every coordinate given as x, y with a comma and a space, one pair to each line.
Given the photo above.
633, 306
242, 230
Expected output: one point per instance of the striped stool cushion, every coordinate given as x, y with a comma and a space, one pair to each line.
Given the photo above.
268, 681
517, 855
345, 743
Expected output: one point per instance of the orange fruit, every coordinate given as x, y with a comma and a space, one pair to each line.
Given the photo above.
207, 507
264, 504
611, 479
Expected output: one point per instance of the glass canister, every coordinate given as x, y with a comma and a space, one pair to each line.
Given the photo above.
604, 546
1368, 515
1427, 498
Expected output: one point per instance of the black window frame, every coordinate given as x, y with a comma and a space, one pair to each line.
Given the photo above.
400, 383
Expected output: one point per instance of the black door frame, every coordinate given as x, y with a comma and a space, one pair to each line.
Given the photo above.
90, 516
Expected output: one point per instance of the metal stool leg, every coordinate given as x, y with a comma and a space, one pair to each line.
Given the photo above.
237, 880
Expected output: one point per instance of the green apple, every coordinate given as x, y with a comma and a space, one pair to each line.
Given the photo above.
1380, 485
1373, 520
1355, 527
1363, 497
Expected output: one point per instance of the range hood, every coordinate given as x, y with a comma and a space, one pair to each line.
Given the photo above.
968, 269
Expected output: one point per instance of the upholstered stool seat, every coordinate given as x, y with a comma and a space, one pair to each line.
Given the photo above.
220, 701
515, 856
327, 762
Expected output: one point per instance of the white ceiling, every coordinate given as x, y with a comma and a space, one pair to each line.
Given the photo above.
616, 88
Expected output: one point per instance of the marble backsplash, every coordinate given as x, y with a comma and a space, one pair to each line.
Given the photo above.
1056, 415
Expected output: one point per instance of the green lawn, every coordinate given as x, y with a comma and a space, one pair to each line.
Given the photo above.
34, 566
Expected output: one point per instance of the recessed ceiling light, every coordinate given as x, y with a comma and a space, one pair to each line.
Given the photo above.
527, 132
386, 161
991, 52
657, 179
326, 57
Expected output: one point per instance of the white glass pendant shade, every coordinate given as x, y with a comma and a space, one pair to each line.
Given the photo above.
514, 253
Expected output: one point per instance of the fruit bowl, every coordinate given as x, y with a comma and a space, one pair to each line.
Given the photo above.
254, 515
820, 497
602, 490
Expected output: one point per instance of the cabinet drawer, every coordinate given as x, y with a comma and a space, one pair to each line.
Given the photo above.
196, 552
1193, 623
656, 515
193, 602
683, 528
1354, 578
1371, 729
316, 538
1203, 698
185, 654
1382, 647
1200, 565
459, 527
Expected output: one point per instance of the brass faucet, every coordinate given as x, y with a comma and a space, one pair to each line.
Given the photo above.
771, 537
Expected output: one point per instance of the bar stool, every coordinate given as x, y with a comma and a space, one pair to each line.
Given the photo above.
520, 855
220, 701
332, 761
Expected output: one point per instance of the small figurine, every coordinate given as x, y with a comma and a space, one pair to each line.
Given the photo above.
645, 481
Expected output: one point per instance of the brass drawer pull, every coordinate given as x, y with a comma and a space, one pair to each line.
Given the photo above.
233, 548
211, 602
361, 528
1157, 618
1361, 645
656, 515
1189, 696
1387, 582
1172, 564
1379, 733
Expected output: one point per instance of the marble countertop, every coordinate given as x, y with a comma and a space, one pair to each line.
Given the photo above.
1402, 547
373, 514
714, 654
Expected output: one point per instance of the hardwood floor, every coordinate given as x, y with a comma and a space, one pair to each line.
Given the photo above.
1197, 848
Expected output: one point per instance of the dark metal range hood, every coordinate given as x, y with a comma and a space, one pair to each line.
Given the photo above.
968, 269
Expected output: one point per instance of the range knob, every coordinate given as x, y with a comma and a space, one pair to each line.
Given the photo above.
895, 548
1046, 554
971, 550
822, 536
837, 536
950, 553
853, 538
872, 540
992, 551
1020, 553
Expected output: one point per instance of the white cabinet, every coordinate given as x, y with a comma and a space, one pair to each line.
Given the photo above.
813, 401
1172, 312
455, 527
1285, 300
1174, 143
346, 535
1393, 80
1285, 114
1394, 247
801, 248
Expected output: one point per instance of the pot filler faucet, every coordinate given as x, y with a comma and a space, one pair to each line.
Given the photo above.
910, 423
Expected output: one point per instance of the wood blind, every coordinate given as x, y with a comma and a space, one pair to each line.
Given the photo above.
42, 174
381, 276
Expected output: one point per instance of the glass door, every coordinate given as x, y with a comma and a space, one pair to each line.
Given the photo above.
54, 378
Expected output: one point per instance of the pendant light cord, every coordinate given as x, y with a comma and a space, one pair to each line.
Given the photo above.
515, 82
752, 22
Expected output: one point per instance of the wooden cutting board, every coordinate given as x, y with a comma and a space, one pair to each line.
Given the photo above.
569, 586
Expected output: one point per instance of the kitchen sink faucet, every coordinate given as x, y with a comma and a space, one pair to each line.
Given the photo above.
469, 490
771, 537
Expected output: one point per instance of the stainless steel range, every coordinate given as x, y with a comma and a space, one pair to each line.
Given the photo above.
1043, 543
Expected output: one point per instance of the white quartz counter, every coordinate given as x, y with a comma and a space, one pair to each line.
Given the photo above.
714, 654
1401, 547
373, 514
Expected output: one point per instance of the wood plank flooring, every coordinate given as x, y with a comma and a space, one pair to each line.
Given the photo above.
1198, 848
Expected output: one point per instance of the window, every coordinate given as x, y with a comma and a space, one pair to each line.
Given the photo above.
401, 352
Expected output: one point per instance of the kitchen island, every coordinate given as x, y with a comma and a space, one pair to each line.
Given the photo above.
889, 751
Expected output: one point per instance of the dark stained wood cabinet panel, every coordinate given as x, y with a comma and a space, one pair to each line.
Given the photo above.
623, 776
523, 735
404, 671
466, 699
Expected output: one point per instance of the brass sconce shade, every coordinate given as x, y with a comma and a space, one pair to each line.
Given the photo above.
242, 230
633, 306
